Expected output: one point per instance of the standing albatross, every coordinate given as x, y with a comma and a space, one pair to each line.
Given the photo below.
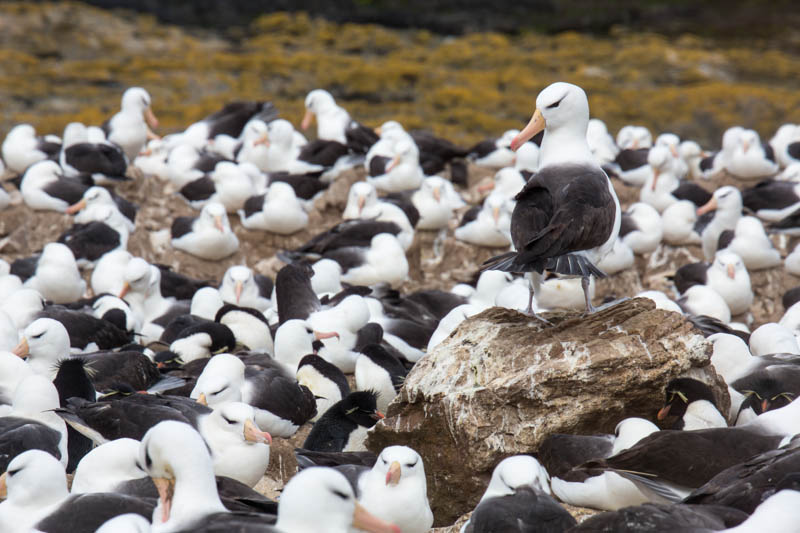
567, 216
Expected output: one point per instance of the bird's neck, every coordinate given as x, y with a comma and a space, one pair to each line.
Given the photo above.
565, 146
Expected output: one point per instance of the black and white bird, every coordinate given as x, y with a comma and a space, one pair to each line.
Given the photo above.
567, 217
324, 379
22, 148
282, 404
208, 236
45, 188
129, 129
378, 370
518, 499
103, 161
344, 426
692, 405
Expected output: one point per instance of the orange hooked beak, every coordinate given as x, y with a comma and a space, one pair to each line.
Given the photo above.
253, 434
319, 335
536, 124
76, 207
3, 486
764, 405
656, 173
746, 145
308, 118
437, 194
166, 490
731, 272
150, 117
496, 215
394, 473
361, 201
238, 291
710, 206
377, 415
22, 349
664, 412
673, 150
393, 163
264, 139
152, 121
218, 224
202, 399
486, 187
126, 288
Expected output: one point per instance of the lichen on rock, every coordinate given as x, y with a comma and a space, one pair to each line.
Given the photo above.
503, 381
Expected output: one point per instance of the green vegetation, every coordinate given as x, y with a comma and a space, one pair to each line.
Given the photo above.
64, 62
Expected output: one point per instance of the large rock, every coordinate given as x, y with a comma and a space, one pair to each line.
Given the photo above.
502, 382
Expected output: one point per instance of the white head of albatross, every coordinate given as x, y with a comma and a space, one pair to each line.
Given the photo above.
562, 110
176, 458
335, 507
34, 484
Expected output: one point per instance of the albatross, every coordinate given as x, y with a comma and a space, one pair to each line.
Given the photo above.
567, 216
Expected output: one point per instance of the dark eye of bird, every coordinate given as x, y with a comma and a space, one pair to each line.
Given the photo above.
12, 472
340, 494
220, 390
39, 336
411, 465
554, 105
228, 420
147, 460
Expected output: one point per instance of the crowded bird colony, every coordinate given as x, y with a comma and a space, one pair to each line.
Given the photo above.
160, 394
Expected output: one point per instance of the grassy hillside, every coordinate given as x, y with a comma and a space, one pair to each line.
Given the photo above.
67, 61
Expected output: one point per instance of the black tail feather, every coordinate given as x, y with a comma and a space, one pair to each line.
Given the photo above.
567, 265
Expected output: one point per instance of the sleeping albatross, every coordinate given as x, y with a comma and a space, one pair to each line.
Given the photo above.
567, 216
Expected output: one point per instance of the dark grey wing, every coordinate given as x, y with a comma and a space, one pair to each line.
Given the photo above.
305, 186
403, 201
377, 165
769, 153
181, 226
178, 286
627, 225
199, 189
770, 194
323, 153
359, 137
308, 458
662, 517
282, 395
483, 148
85, 513
559, 453
348, 258
690, 275
67, 189
692, 192
525, 511
18, 435
631, 159
254, 205
470, 215
90, 241
25, 267
207, 162
296, 298
231, 119
84, 328
125, 207
100, 158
